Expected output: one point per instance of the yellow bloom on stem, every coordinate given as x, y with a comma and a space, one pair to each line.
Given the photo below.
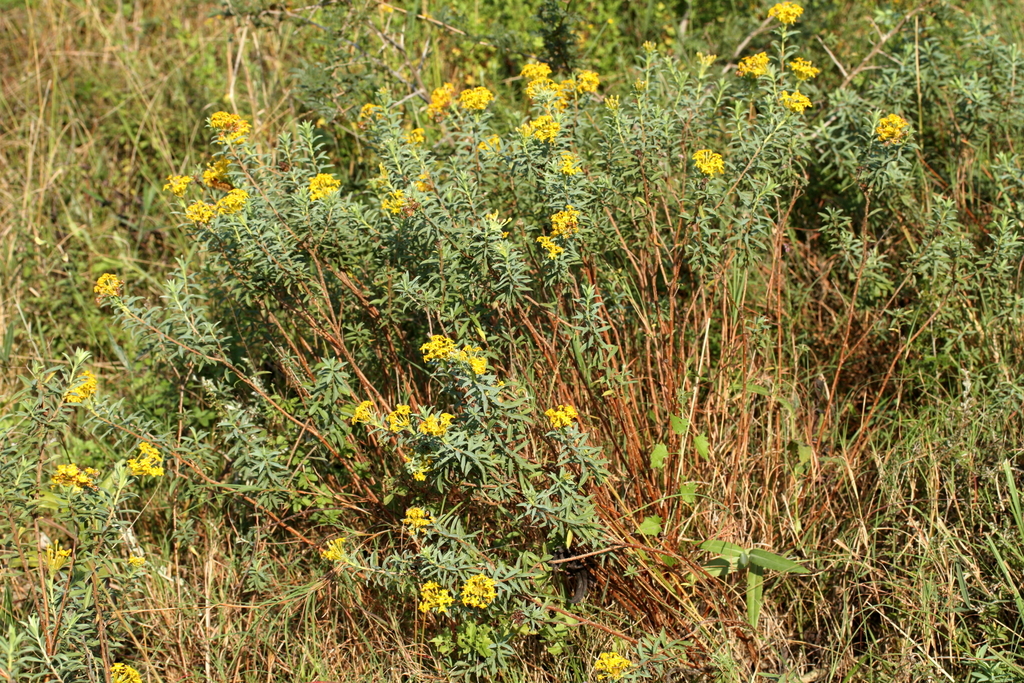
200, 212
786, 12
611, 665
587, 81
543, 128
415, 137
440, 99
216, 175
136, 562
561, 417
434, 426
533, 72
71, 475
433, 597
417, 519
440, 347
108, 285
706, 60
891, 129
363, 412
85, 388
795, 102
394, 202
149, 462
709, 162
569, 164
56, 557
648, 47
233, 128
321, 185
479, 592
232, 202
370, 110
335, 550
554, 251
611, 103
122, 673
177, 184
491, 144
398, 419
803, 69
754, 65
565, 223
475, 99
420, 473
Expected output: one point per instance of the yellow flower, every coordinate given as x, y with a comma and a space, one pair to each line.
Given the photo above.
398, 419
56, 557
479, 591
611, 665
417, 519
335, 550
754, 65
420, 474
148, 463
321, 185
394, 202
786, 12
612, 103
640, 85
216, 174
433, 597
363, 412
803, 69
108, 285
85, 388
232, 127
440, 99
796, 102
709, 162
543, 128
706, 60
370, 110
569, 164
533, 72
71, 475
434, 426
475, 98
491, 144
891, 129
136, 562
415, 137
440, 347
562, 416
587, 81
648, 46
122, 673
200, 212
232, 202
423, 182
554, 251
177, 184
565, 223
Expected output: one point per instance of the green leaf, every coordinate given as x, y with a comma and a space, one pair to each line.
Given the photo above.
688, 492
651, 526
723, 548
755, 594
679, 425
700, 442
658, 456
719, 567
778, 563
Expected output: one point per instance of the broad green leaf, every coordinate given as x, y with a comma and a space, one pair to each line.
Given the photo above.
651, 526
719, 567
755, 594
658, 456
700, 442
778, 563
723, 548
688, 492
679, 424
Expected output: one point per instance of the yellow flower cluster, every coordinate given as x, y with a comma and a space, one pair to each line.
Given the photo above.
611, 665
434, 426
491, 144
322, 185
136, 562
565, 223
85, 388
233, 128
803, 69
148, 463
754, 65
543, 128
363, 412
108, 285
420, 473
475, 99
71, 475
535, 72
56, 557
370, 111
216, 175
232, 202
786, 12
440, 347
440, 99
122, 673
335, 550
611, 103
569, 164
417, 519
796, 101
398, 419
561, 417
891, 129
706, 60
423, 182
433, 597
709, 162
395, 202
587, 81
200, 212
415, 137
554, 251
479, 592
177, 184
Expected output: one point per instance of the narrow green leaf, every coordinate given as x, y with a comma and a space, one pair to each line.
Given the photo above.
778, 563
723, 548
755, 594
